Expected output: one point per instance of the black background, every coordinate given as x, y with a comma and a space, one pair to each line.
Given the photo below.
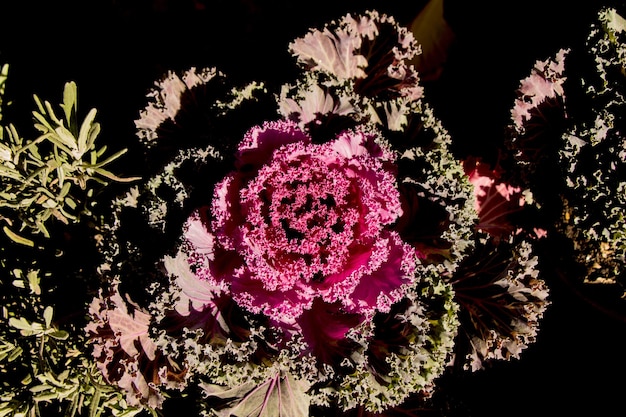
115, 49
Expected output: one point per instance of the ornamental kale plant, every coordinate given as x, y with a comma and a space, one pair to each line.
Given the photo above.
568, 128
311, 251
593, 154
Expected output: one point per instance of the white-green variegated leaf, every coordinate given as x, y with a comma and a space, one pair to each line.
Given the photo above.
279, 396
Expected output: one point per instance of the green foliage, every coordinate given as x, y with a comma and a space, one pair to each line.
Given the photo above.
55, 175
44, 366
45, 369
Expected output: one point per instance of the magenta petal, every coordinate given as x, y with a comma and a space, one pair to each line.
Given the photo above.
359, 257
226, 211
390, 265
496, 200
282, 306
324, 328
261, 141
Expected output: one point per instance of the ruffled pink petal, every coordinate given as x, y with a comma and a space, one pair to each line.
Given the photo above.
324, 327
282, 306
196, 232
300, 221
333, 52
389, 269
260, 142
227, 212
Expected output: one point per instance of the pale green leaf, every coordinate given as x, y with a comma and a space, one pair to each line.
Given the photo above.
19, 283
15, 353
70, 203
109, 159
59, 335
69, 100
17, 238
47, 316
111, 176
39, 388
20, 323
67, 139
279, 396
45, 396
65, 190
33, 282
85, 136
50, 112
94, 131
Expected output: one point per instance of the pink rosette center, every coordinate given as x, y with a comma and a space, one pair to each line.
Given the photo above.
299, 221
300, 213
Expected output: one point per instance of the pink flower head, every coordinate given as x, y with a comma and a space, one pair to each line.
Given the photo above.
298, 222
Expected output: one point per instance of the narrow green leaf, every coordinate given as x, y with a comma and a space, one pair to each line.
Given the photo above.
94, 407
32, 145
94, 131
64, 190
18, 283
39, 105
45, 397
70, 100
70, 203
59, 335
33, 282
39, 388
114, 177
109, 159
50, 112
66, 137
85, 132
101, 151
47, 316
16, 353
17, 238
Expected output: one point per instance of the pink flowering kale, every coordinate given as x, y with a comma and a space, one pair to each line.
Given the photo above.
302, 234
543, 84
166, 100
298, 260
567, 139
370, 49
298, 221
498, 286
538, 119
